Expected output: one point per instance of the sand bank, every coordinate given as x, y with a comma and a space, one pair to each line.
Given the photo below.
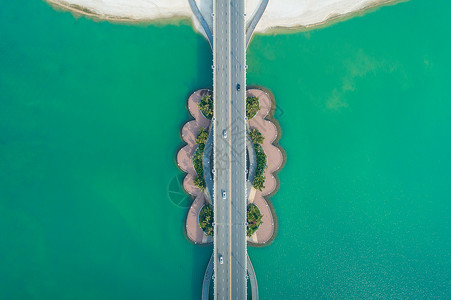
279, 13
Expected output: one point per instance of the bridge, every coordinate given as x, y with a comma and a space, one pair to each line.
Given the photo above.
229, 39
229, 157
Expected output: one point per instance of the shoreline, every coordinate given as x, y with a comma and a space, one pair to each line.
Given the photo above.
333, 19
179, 17
79, 11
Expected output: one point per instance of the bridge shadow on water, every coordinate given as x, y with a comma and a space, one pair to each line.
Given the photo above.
201, 256
204, 78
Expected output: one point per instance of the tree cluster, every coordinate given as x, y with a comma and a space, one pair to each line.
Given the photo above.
206, 219
254, 219
252, 107
206, 106
259, 179
201, 139
256, 136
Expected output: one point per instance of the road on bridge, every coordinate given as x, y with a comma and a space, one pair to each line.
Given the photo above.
229, 63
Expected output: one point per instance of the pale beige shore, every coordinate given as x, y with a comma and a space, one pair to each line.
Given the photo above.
280, 14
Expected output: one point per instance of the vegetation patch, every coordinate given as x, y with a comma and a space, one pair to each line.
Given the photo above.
206, 106
259, 179
254, 219
252, 107
256, 136
206, 219
201, 139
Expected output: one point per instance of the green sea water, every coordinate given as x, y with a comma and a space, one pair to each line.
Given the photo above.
90, 114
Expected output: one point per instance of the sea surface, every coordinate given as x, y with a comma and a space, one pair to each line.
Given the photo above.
90, 117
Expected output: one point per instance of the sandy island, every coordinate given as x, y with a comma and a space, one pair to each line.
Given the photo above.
279, 13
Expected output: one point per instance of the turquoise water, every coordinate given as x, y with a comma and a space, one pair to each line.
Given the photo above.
89, 120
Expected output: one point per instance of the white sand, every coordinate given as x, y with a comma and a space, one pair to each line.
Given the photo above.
294, 13
279, 13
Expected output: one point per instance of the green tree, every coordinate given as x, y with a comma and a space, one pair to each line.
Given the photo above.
252, 107
197, 160
206, 106
256, 136
202, 137
261, 159
206, 219
200, 182
254, 219
259, 182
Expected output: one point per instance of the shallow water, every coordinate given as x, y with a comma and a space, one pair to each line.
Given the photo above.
89, 119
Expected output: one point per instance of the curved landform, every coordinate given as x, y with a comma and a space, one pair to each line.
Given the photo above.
190, 132
277, 14
275, 159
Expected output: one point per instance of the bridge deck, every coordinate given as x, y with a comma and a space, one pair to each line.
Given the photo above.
229, 59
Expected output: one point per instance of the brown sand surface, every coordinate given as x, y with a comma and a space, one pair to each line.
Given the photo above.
274, 161
189, 133
269, 131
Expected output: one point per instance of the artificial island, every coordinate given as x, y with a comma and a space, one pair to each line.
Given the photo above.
230, 157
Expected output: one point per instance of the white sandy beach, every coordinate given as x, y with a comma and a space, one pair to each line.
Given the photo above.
279, 13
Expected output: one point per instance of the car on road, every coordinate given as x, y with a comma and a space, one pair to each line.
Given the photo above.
238, 87
221, 260
224, 133
224, 194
